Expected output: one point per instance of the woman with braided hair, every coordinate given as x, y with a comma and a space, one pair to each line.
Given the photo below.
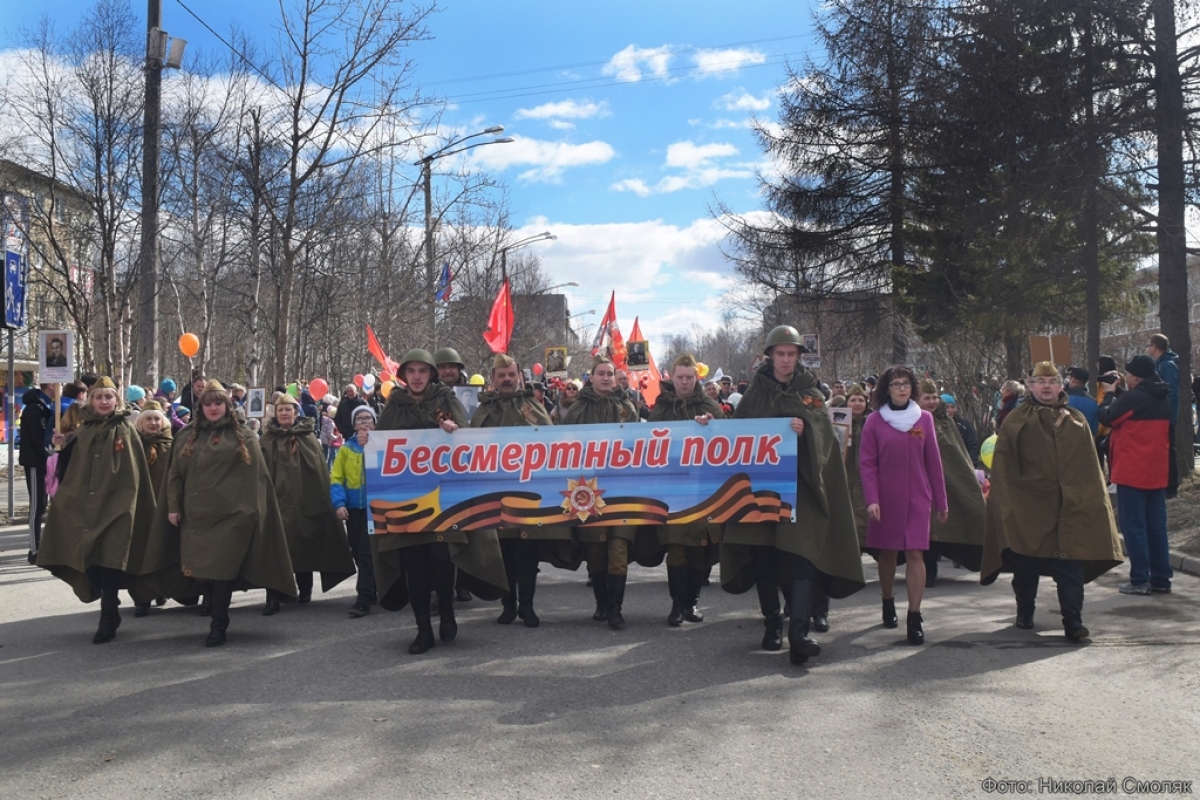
220, 520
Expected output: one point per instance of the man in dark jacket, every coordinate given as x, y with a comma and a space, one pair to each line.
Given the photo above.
1139, 452
1166, 364
37, 428
344, 418
965, 429
1078, 398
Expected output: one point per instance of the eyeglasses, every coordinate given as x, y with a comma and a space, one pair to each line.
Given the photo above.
1047, 381
899, 385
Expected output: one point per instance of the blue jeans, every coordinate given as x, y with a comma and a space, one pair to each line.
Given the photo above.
1143, 514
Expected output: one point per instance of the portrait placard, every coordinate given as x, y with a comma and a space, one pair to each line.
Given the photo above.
56, 356
256, 403
555, 362
637, 355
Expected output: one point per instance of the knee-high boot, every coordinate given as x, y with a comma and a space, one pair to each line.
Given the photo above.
509, 601
691, 605
222, 594
768, 600
1026, 602
800, 647
677, 586
1070, 598
527, 572
600, 593
818, 607
110, 617
616, 596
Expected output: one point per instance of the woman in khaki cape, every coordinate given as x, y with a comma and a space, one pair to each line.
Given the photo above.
1048, 511
820, 545
98, 527
155, 430
220, 521
316, 539
410, 566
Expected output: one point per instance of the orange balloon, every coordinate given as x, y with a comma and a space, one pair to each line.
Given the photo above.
189, 344
385, 389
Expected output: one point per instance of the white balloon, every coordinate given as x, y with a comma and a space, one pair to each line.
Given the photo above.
368, 381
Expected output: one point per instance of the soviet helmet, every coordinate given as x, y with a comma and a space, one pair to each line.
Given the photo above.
783, 334
448, 355
421, 356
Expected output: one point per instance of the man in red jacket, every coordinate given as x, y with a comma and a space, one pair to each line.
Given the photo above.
1139, 453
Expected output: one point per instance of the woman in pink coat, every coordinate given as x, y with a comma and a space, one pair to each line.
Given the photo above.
902, 482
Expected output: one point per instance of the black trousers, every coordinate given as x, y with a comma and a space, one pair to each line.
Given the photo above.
428, 568
35, 482
360, 547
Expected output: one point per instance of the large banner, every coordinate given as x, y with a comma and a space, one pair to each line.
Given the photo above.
581, 475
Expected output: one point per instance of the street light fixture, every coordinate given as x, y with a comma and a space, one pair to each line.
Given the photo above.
571, 316
541, 237
426, 164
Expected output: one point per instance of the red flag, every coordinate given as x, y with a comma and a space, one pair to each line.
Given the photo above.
376, 350
500, 324
651, 390
608, 336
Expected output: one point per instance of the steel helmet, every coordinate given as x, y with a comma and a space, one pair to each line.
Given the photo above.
421, 356
448, 355
783, 334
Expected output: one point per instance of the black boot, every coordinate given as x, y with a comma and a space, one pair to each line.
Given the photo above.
818, 607
916, 635
304, 586
691, 606
424, 640
110, 618
206, 599
1026, 601
509, 602
677, 586
447, 624
931, 569
272, 606
800, 647
141, 609
768, 601
222, 593
889, 613
600, 592
616, 596
526, 585
1070, 598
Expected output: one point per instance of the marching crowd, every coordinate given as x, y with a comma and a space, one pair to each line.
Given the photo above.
195, 497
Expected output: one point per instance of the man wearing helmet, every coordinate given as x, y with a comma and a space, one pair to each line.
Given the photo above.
450, 367
821, 545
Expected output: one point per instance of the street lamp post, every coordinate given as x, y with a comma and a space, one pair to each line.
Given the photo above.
543, 236
426, 165
568, 325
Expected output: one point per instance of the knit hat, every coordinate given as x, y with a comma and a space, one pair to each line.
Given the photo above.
363, 410
1079, 374
949, 400
1141, 366
182, 411
167, 385
135, 393
1045, 369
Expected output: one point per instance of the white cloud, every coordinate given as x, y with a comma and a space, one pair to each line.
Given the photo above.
549, 159
632, 63
710, 63
565, 109
689, 155
743, 101
562, 125
635, 185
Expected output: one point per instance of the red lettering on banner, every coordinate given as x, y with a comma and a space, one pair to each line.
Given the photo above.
659, 447
693, 451
536, 454
743, 450
484, 458
718, 450
419, 465
510, 457
621, 458
460, 461
639, 452
596, 455
766, 449
394, 459
441, 457
565, 455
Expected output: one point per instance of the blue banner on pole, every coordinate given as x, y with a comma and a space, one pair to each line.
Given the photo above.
581, 475
14, 290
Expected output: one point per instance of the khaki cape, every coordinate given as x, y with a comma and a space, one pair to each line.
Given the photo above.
104, 509
158, 456
824, 530
230, 528
961, 537
475, 553
1048, 497
854, 479
670, 407
315, 536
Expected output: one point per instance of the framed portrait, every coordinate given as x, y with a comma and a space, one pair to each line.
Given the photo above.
556, 362
469, 397
56, 356
256, 403
810, 360
637, 355
843, 422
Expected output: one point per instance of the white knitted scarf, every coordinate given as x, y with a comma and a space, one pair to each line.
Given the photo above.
901, 420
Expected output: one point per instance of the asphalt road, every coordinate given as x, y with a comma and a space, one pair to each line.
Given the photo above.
312, 703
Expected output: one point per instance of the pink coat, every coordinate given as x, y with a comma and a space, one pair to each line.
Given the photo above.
902, 473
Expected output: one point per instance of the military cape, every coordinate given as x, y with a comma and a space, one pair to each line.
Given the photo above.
103, 511
475, 553
854, 479
670, 407
158, 457
824, 531
1048, 497
230, 529
961, 537
315, 536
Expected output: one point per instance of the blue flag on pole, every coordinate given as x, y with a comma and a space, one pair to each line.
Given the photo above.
443, 286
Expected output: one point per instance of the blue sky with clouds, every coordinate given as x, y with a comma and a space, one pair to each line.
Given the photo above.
630, 119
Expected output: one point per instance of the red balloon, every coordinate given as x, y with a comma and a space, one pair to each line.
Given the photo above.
318, 388
537, 369
358, 380
386, 376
